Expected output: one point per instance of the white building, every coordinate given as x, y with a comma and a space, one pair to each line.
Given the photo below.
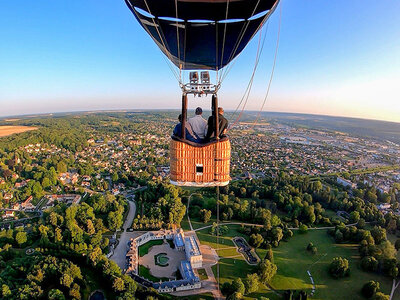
192, 251
345, 182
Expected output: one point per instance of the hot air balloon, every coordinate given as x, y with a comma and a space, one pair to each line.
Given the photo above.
201, 35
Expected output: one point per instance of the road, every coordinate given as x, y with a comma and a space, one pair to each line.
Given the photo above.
187, 211
394, 287
120, 251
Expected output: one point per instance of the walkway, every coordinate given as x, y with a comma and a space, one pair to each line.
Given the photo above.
258, 225
394, 287
119, 255
175, 257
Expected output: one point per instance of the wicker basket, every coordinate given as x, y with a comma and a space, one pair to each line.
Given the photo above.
207, 165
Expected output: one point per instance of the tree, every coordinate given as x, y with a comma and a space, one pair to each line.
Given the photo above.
339, 267
354, 217
53, 218
66, 280
370, 288
381, 296
266, 270
94, 256
238, 286
379, 234
369, 263
61, 167
277, 235
251, 283
118, 284
21, 237
270, 254
397, 244
256, 240
303, 228
114, 220
205, 215
5, 291
74, 291
55, 294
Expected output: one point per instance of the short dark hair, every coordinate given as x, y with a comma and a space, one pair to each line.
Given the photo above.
180, 118
199, 111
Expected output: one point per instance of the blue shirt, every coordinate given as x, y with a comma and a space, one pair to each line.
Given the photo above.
189, 137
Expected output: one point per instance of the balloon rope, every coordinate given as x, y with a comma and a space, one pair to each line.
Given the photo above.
250, 84
273, 68
161, 36
218, 236
230, 66
155, 41
223, 39
177, 41
243, 31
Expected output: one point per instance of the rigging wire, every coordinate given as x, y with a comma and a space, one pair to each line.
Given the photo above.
164, 48
243, 31
270, 12
273, 68
177, 41
223, 39
250, 84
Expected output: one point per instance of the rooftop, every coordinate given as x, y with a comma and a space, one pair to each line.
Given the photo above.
191, 246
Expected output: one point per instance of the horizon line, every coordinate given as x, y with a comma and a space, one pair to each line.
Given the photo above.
4, 118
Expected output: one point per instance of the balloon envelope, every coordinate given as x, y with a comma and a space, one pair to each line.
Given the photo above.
202, 34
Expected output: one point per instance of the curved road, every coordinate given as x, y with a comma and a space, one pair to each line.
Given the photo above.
119, 255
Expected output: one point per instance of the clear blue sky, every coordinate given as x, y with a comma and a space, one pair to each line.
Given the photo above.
335, 57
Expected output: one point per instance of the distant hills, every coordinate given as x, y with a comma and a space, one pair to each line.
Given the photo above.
381, 130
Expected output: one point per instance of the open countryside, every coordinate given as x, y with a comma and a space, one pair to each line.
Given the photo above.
9, 130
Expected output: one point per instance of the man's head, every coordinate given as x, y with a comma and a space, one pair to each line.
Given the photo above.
199, 111
220, 110
180, 118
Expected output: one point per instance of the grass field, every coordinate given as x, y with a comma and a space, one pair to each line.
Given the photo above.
231, 268
9, 130
144, 249
293, 261
145, 272
202, 274
206, 296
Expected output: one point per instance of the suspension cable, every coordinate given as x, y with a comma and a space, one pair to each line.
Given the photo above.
163, 46
273, 68
177, 41
230, 66
250, 84
223, 39
241, 35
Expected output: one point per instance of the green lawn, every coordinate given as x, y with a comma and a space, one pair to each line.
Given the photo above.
202, 274
293, 261
144, 249
206, 296
145, 272
231, 268
393, 238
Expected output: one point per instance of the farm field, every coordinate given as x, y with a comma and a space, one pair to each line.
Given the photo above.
293, 261
9, 130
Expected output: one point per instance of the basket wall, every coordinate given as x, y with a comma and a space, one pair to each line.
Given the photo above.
215, 159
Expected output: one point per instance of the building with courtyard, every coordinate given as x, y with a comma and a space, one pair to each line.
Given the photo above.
188, 245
